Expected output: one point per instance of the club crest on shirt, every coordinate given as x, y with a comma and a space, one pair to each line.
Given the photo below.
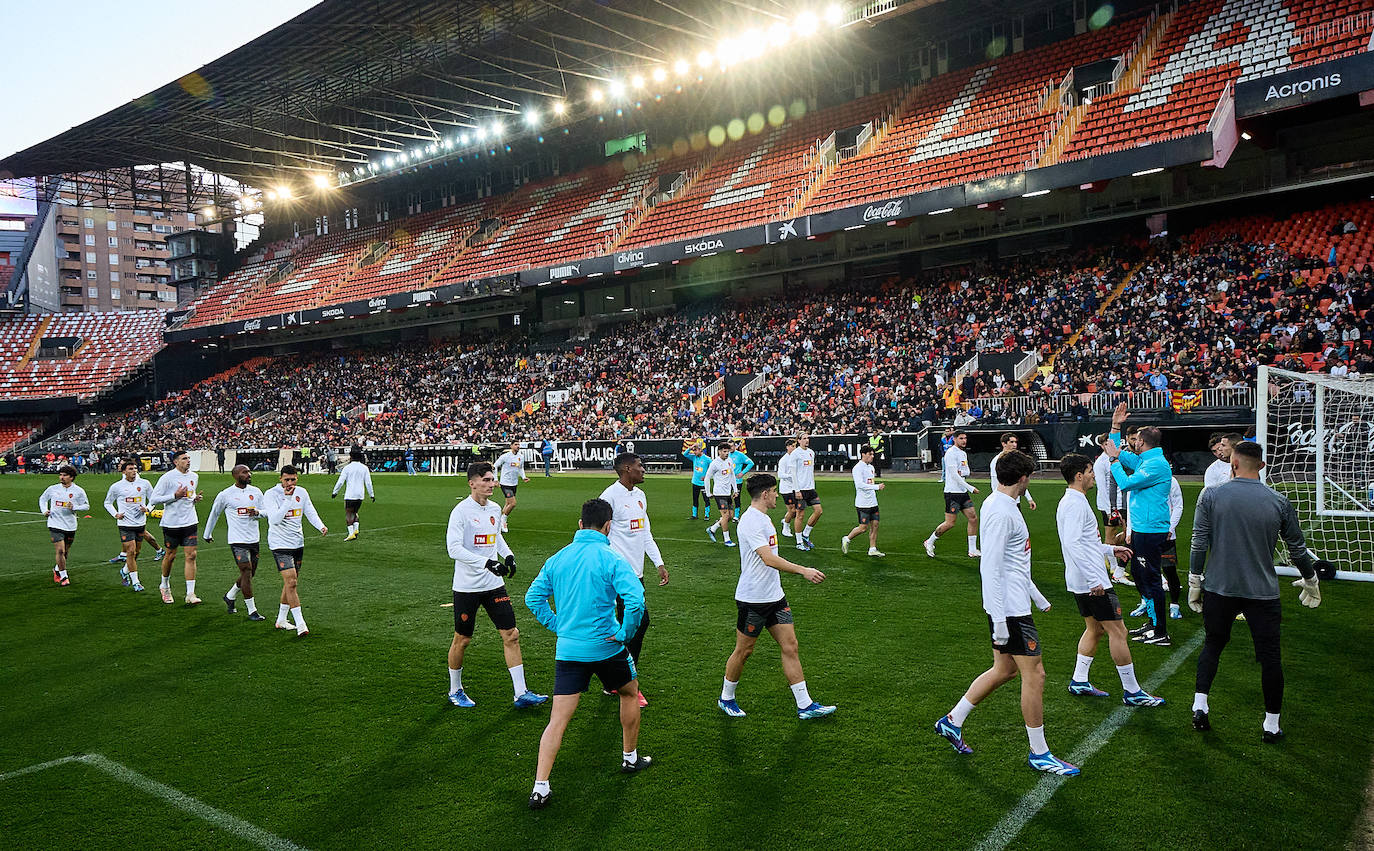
1028, 545
492, 519
1031, 645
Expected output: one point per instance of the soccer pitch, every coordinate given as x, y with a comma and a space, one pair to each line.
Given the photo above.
215, 732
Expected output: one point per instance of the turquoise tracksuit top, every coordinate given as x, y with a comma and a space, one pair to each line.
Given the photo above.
743, 464
699, 465
585, 577
1146, 487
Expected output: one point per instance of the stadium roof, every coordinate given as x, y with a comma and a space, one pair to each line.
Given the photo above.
350, 80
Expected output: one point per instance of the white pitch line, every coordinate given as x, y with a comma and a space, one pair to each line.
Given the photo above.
1033, 801
219, 818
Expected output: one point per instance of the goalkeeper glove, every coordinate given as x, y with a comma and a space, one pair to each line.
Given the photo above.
1195, 592
510, 565
1000, 635
1311, 593
493, 566
335, 495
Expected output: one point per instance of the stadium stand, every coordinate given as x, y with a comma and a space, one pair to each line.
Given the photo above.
314, 274
109, 348
418, 251
1205, 46
12, 431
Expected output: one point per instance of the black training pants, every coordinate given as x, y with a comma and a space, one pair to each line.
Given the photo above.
1263, 618
636, 643
1148, 548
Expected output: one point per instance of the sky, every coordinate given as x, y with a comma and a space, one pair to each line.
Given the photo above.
65, 63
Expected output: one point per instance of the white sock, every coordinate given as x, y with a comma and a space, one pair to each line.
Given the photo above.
727, 691
959, 714
190, 588
541, 786
133, 576
1200, 702
727, 534
233, 592
166, 582
1271, 722
1127, 674
972, 543
806, 533
933, 538
517, 678
801, 695
1037, 739
1080, 670
281, 613
630, 756
298, 618
62, 573
252, 606
455, 680
714, 526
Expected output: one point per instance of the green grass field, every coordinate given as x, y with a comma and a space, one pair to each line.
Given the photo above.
344, 739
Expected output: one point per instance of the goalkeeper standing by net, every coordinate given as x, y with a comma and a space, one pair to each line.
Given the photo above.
1234, 532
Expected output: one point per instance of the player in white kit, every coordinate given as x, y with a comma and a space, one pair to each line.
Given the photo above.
59, 504
356, 480
1010, 443
510, 472
127, 501
242, 506
955, 473
481, 558
287, 503
804, 481
786, 471
866, 487
633, 538
720, 486
176, 492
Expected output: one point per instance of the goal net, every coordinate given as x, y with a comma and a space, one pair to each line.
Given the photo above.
1317, 433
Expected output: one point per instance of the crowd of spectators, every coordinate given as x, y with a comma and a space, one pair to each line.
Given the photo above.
856, 357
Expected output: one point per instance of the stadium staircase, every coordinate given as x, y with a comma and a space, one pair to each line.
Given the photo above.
1116, 292
39, 333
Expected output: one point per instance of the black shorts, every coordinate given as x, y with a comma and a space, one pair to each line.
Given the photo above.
129, 534
353, 505
508, 491
867, 515
574, 677
724, 503
754, 618
62, 535
289, 559
789, 498
1113, 519
809, 497
245, 554
1023, 640
957, 502
1101, 608
496, 602
182, 536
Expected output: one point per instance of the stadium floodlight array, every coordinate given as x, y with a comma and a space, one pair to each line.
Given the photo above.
1317, 433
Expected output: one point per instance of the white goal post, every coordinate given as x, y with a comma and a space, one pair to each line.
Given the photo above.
1317, 433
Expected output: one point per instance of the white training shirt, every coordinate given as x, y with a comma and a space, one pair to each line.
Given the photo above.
865, 486
177, 513
284, 514
954, 469
758, 583
992, 476
1085, 556
720, 478
1006, 562
1217, 473
510, 469
238, 505
355, 479
474, 537
786, 472
1109, 497
803, 470
63, 501
130, 499
630, 533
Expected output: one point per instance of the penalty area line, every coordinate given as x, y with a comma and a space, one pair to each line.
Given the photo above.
1011, 825
219, 818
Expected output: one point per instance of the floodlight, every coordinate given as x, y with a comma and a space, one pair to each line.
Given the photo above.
595, 95
616, 88
681, 67
659, 74
834, 14
706, 59
320, 181
637, 81
559, 107
531, 117
806, 24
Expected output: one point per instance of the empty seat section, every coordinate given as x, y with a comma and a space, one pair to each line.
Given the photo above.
419, 248
112, 347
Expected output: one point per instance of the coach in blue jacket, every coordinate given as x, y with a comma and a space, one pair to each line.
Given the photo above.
585, 578
1145, 479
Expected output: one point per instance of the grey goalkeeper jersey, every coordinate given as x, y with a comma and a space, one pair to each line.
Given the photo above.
1234, 532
